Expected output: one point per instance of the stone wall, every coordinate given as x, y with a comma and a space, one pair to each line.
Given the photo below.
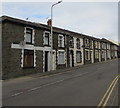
11, 57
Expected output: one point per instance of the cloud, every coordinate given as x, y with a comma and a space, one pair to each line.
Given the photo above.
98, 19
63, 0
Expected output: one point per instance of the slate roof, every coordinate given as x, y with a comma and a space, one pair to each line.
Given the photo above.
55, 29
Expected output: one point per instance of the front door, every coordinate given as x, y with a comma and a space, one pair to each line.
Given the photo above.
71, 59
46, 61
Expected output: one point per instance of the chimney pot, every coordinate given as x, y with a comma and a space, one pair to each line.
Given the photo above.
49, 22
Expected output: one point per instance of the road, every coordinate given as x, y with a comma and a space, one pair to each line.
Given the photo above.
84, 86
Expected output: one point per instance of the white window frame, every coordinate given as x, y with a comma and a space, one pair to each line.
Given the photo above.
48, 39
22, 57
96, 54
80, 60
107, 46
60, 35
63, 58
88, 55
103, 54
33, 34
78, 43
71, 41
91, 43
87, 44
103, 45
96, 44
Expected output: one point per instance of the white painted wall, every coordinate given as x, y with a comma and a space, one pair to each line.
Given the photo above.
92, 56
49, 61
30, 47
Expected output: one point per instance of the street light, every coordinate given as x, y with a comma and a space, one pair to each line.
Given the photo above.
52, 18
52, 28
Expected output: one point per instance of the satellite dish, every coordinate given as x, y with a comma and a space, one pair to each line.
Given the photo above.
22, 43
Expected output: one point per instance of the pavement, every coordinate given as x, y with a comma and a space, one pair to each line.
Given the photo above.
50, 73
77, 86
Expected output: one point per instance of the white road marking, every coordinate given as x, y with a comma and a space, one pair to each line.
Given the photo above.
36, 88
16, 94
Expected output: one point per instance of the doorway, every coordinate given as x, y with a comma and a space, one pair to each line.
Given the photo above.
46, 61
71, 59
54, 61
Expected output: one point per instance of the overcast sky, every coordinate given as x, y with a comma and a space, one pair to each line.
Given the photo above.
98, 19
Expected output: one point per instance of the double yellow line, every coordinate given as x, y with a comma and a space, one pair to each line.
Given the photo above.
108, 93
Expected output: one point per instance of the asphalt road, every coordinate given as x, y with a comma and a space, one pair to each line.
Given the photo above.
84, 86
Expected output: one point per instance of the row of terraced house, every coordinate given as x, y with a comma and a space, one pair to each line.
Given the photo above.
27, 48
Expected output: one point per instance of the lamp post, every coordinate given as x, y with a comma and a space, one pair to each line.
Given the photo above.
52, 29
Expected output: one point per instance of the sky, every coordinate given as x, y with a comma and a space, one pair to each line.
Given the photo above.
97, 19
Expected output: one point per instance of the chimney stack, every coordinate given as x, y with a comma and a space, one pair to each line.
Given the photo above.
49, 22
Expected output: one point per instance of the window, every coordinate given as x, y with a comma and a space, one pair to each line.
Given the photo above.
99, 45
91, 44
78, 57
108, 46
103, 54
78, 43
28, 58
108, 54
61, 57
87, 55
46, 38
28, 36
112, 53
60, 41
71, 42
96, 44
116, 48
103, 46
87, 42
112, 47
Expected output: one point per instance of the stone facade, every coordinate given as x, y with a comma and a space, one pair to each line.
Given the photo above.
69, 48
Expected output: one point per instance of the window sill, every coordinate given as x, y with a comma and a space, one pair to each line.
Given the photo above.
87, 59
79, 62
28, 67
61, 64
71, 46
48, 45
61, 47
29, 43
